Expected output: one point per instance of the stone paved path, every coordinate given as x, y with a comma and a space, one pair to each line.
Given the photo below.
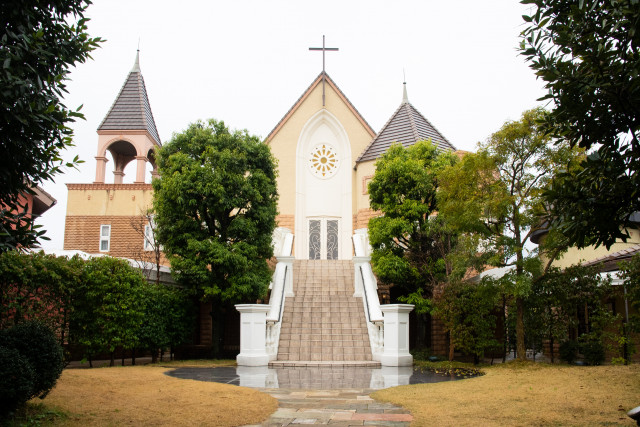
352, 407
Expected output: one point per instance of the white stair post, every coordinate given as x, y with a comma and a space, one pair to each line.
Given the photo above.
396, 335
253, 329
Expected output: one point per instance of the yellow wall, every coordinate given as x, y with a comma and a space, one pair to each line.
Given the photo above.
576, 256
364, 173
108, 199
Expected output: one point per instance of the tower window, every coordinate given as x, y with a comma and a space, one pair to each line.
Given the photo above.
105, 237
148, 238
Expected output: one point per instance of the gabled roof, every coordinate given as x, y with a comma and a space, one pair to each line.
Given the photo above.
406, 126
131, 109
304, 96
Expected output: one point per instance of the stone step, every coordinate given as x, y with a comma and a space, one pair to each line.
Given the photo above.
324, 322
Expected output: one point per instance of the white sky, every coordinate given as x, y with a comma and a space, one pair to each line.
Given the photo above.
247, 61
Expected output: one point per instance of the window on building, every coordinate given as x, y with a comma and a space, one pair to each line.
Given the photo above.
148, 238
105, 237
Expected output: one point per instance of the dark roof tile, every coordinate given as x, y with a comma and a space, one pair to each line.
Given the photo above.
131, 109
406, 126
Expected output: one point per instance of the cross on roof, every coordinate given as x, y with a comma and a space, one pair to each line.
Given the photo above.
323, 49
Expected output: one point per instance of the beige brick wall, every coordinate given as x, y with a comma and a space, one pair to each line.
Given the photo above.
286, 221
361, 219
83, 233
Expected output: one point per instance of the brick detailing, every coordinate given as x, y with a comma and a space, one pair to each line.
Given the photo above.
286, 221
363, 216
102, 186
83, 233
323, 321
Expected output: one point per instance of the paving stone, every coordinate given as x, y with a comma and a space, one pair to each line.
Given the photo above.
383, 417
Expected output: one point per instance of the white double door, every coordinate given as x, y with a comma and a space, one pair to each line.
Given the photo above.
324, 238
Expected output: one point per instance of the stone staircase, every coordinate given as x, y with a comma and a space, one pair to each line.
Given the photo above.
324, 324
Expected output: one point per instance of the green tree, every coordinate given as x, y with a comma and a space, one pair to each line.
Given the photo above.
39, 42
167, 320
107, 311
215, 204
469, 312
587, 53
496, 195
410, 243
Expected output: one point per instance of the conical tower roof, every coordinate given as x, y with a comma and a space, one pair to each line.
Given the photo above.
131, 109
406, 126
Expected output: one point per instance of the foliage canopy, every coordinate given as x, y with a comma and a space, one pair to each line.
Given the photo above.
496, 195
588, 54
215, 207
38, 44
409, 242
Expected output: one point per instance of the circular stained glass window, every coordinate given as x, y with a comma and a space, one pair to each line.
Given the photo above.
324, 161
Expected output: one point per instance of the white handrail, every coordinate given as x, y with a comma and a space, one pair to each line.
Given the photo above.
281, 286
366, 287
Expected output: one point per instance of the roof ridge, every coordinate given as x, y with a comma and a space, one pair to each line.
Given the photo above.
434, 128
380, 133
412, 121
132, 111
307, 91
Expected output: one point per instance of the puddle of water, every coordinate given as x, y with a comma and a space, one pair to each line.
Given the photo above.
319, 378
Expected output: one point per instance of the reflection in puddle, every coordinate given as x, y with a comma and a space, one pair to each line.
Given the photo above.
319, 378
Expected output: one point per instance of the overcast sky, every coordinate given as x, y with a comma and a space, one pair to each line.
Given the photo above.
247, 62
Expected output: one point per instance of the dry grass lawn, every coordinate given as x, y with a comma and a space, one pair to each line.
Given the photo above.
144, 395
525, 394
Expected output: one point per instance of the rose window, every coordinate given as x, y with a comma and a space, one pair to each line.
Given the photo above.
324, 161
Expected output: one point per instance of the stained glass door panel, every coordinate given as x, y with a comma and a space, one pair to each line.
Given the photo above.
332, 239
315, 239
323, 238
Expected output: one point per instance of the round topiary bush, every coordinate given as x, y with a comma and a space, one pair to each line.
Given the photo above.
17, 379
569, 351
39, 346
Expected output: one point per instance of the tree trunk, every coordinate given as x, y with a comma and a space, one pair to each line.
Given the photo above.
451, 346
505, 331
521, 349
133, 357
113, 358
420, 329
217, 318
154, 355
551, 344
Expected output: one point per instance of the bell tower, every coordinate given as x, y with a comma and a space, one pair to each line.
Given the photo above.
109, 216
128, 131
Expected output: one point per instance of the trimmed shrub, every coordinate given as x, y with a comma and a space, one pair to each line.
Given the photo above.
17, 380
38, 345
593, 352
569, 351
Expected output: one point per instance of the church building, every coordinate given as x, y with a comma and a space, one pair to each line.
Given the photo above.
326, 154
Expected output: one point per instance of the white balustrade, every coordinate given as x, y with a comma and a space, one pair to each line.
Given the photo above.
388, 325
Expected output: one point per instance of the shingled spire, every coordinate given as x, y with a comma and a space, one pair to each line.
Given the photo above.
406, 126
131, 109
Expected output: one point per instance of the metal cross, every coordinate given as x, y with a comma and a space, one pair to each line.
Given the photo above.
323, 49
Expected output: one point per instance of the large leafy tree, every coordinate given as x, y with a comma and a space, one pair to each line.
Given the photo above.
39, 42
496, 196
215, 205
587, 53
409, 242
